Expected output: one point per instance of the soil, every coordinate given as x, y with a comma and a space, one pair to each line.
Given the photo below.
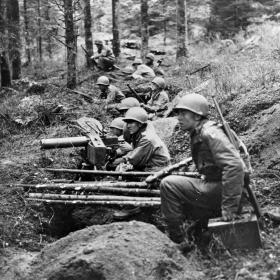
26, 228
132, 250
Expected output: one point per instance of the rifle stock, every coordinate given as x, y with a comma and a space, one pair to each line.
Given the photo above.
135, 94
167, 170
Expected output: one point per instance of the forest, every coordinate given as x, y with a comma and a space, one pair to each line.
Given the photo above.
59, 204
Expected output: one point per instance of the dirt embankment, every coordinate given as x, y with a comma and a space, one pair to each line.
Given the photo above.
132, 250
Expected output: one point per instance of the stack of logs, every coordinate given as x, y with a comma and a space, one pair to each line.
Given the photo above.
117, 192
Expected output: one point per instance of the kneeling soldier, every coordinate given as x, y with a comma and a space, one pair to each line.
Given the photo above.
116, 129
149, 152
216, 159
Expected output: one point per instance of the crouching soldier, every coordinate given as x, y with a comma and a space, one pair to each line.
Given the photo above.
110, 93
158, 102
104, 59
148, 150
116, 129
217, 161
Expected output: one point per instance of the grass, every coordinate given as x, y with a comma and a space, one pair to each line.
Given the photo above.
234, 74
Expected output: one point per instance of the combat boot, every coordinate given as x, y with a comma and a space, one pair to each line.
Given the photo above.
178, 236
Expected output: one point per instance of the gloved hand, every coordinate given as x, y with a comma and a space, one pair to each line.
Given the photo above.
228, 215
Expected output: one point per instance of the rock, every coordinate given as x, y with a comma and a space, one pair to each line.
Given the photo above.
118, 251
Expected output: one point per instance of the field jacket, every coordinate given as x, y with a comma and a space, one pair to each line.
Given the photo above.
218, 160
148, 149
157, 102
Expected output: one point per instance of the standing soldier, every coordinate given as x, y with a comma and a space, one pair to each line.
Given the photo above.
142, 71
148, 150
104, 59
159, 99
219, 163
109, 92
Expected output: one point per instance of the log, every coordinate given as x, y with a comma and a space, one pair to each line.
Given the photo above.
89, 185
93, 202
99, 172
117, 174
90, 197
72, 187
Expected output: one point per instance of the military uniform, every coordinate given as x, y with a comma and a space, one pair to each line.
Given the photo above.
114, 95
158, 101
105, 58
149, 151
143, 71
220, 189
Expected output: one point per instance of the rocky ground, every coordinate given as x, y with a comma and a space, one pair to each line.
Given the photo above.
32, 111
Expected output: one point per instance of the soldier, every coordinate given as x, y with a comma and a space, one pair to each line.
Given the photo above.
219, 163
126, 104
149, 152
159, 99
104, 58
150, 61
142, 71
116, 129
109, 92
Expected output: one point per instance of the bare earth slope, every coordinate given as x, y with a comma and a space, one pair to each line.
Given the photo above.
132, 250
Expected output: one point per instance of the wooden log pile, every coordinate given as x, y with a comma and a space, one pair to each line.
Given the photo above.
95, 193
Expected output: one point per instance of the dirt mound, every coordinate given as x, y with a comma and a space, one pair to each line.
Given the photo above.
131, 250
263, 139
243, 109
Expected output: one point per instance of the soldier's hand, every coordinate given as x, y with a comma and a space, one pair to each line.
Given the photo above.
228, 215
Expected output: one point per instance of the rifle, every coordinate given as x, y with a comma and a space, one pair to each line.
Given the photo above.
239, 146
167, 170
135, 94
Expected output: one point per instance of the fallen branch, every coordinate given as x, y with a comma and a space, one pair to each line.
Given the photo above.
93, 202
89, 185
90, 197
100, 189
98, 172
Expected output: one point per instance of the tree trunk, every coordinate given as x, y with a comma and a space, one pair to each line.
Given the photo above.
49, 38
144, 28
26, 32
88, 34
70, 42
14, 37
5, 75
164, 8
181, 32
39, 36
115, 20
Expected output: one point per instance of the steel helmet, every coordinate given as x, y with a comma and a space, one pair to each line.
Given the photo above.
160, 82
137, 114
117, 123
128, 70
150, 56
128, 103
195, 103
137, 61
98, 42
103, 80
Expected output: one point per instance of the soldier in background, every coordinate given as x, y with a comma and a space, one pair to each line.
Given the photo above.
109, 92
159, 99
104, 59
150, 61
142, 71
